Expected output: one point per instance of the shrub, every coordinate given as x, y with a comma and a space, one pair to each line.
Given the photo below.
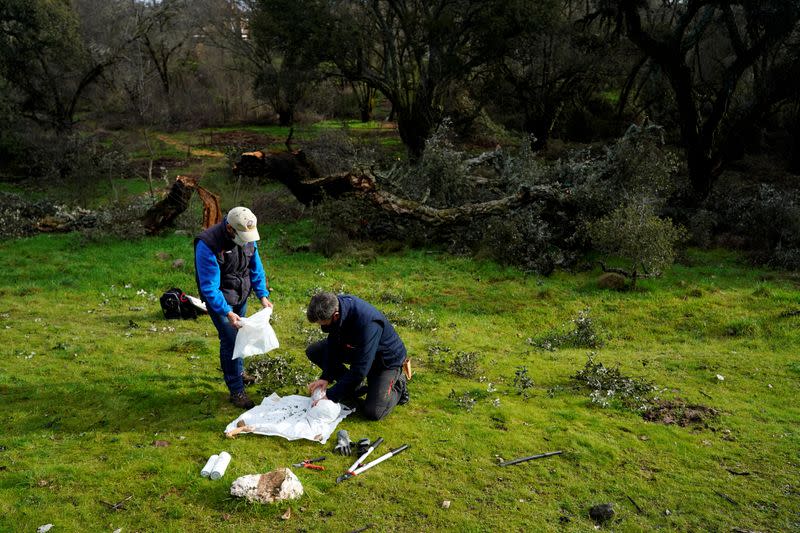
333, 151
635, 234
584, 334
437, 355
522, 382
766, 217
462, 401
609, 385
465, 364
637, 166
274, 372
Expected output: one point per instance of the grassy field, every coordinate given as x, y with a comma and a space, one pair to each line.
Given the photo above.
91, 376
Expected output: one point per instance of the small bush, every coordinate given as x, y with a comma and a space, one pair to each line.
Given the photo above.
119, 221
522, 382
608, 386
584, 335
274, 372
334, 151
462, 401
634, 233
766, 220
465, 364
437, 355
277, 206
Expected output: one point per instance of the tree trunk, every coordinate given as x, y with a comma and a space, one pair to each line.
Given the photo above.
302, 178
165, 212
414, 129
286, 116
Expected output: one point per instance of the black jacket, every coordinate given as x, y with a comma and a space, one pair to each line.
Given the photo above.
362, 338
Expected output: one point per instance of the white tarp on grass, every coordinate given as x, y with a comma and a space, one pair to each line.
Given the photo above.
292, 418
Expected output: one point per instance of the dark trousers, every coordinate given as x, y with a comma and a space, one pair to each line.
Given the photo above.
382, 383
232, 369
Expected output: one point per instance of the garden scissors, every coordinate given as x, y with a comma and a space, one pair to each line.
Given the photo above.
308, 463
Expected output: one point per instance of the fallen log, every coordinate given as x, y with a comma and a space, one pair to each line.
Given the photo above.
450, 215
301, 177
164, 213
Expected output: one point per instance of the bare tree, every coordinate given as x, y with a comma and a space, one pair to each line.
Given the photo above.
727, 65
414, 51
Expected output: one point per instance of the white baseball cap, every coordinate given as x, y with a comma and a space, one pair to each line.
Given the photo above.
243, 222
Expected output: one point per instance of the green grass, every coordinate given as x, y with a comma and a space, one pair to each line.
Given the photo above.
91, 375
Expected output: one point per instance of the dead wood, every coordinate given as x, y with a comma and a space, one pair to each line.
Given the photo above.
164, 213
304, 181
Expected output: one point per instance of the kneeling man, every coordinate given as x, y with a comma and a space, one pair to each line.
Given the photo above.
361, 344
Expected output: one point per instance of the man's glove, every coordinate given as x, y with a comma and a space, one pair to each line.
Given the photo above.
342, 443
362, 446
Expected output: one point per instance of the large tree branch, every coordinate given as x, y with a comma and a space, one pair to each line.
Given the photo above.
303, 180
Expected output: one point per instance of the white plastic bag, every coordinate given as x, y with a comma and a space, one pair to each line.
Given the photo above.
256, 335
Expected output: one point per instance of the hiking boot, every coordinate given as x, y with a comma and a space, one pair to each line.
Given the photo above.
248, 379
242, 400
402, 388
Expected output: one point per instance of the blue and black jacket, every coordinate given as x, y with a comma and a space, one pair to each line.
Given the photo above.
226, 272
361, 339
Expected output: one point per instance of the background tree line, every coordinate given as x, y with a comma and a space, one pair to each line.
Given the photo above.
720, 77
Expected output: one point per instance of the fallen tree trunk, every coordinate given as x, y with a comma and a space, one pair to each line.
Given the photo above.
451, 215
164, 213
301, 177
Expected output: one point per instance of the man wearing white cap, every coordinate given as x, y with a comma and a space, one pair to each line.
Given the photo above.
227, 269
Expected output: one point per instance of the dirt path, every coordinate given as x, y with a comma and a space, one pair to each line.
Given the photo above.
187, 148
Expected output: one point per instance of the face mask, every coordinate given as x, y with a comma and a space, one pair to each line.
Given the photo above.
330, 327
238, 240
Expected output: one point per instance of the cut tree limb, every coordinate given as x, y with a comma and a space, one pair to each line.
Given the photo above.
437, 216
163, 213
304, 181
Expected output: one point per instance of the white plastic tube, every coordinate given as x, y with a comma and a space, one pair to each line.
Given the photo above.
221, 465
206, 471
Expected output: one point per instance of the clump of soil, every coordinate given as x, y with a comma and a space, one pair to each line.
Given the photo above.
679, 412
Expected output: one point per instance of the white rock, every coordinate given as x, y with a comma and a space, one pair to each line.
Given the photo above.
280, 484
446, 504
720, 377
44, 529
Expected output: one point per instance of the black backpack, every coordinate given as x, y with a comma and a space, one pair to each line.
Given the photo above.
176, 305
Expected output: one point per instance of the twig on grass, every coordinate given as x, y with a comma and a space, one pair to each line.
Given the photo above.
639, 509
119, 505
725, 496
738, 473
706, 395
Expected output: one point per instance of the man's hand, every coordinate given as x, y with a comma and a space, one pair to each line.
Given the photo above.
265, 302
322, 386
233, 318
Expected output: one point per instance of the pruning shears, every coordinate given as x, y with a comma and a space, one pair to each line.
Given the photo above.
358, 467
308, 463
